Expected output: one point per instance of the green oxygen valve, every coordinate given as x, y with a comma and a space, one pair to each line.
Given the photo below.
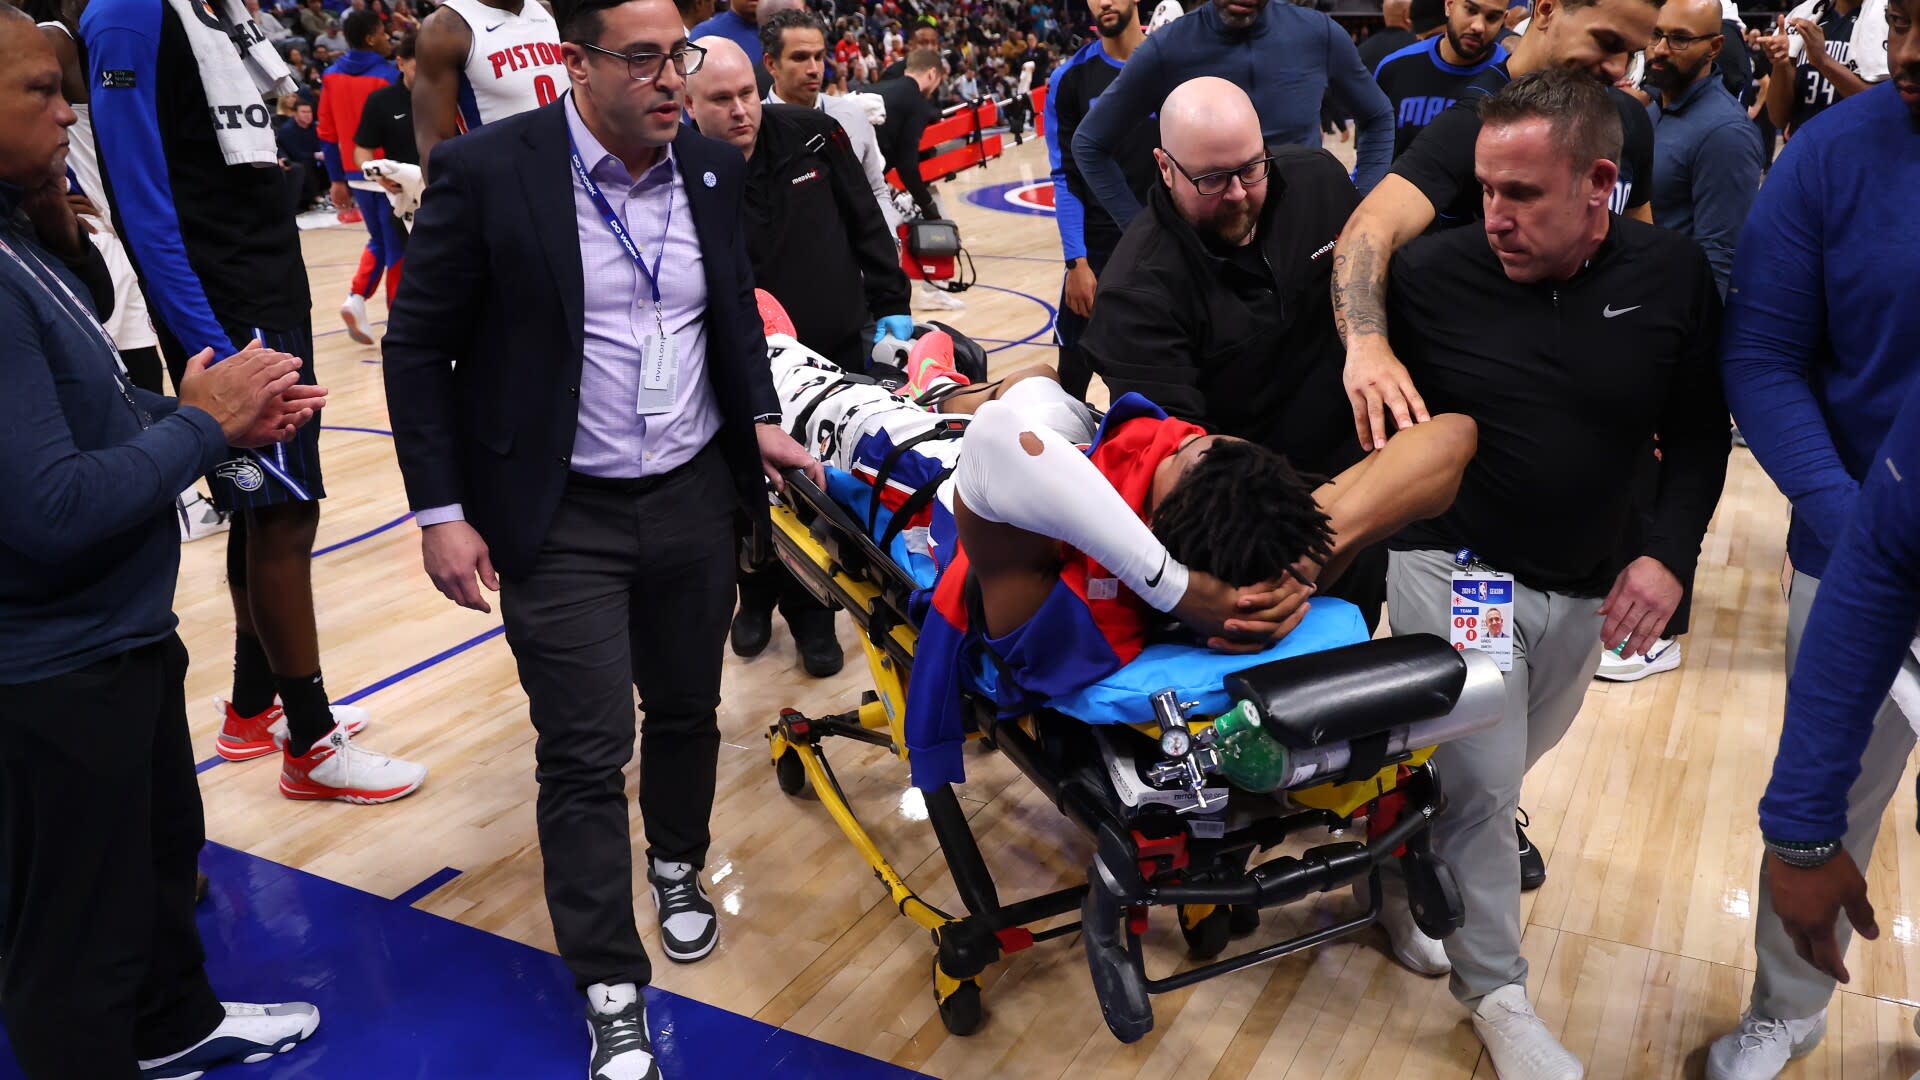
1248, 757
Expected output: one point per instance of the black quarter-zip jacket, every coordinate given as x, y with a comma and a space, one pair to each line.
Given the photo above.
815, 236
1569, 382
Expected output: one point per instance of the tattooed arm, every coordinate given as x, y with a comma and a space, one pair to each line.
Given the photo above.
1376, 381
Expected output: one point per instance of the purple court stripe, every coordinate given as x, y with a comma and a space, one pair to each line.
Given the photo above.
342, 330
409, 672
1037, 334
368, 535
202, 766
426, 888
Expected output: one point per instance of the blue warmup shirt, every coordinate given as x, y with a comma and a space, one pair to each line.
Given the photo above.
91, 548
1819, 346
1420, 84
1285, 61
1072, 92
215, 244
1857, 636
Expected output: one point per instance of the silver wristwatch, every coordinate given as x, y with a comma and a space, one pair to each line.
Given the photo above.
1803, 856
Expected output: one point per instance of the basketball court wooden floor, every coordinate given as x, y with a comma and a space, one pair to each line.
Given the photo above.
1640, 942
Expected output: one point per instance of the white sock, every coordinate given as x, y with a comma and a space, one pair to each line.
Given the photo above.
607, 1000
1059, 493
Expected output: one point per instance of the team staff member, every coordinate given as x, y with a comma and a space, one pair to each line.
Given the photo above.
1435, 181
1424, 79
819, 245
1814, 388
482, 61
386, 130
1087, 232
1706, 153
1286, 57
587, 409
205, 216
366, 67
924, 36
1606, 334
1212, 306
909, 111
794, 48
100, 817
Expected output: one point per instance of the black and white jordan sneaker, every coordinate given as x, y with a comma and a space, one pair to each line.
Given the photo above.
617, 1026
688, 927
249, 1033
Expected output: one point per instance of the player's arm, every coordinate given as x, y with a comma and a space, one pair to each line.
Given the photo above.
1776, 324
1857, 636
134, 161
1135, 94
1366, 103
440, 54
1782, 80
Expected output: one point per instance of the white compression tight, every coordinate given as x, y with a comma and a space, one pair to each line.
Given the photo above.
1058, 492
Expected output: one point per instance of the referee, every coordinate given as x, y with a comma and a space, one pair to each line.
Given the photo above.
1607, 335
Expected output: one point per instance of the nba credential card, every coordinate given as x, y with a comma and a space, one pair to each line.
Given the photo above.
1482, 616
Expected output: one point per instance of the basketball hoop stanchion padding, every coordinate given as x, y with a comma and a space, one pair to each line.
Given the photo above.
1039, 97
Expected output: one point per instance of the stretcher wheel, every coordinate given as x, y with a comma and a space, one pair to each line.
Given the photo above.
961, 1013
1118, 983
1208, 937
790, 774
1434, 895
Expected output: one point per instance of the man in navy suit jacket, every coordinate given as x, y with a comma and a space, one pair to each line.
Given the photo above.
580, 399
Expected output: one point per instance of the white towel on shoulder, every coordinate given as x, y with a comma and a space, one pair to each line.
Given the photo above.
239, 69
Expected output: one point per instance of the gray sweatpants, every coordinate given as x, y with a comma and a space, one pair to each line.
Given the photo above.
1786, 987
1556, 649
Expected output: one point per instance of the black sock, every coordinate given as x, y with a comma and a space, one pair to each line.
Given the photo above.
252, 676
309, 715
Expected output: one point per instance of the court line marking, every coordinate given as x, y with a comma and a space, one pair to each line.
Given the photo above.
1052, 316
427, 887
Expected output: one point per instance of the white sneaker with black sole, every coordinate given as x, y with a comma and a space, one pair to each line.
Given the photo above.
1662, 655
689, 928
617, 1027
1518, 1041
199, 518
250, 1033
1761, 1046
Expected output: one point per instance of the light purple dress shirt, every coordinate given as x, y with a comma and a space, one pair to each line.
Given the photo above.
612, 439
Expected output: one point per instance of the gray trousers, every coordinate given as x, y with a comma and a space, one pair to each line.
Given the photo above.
1786, 987
1556, 649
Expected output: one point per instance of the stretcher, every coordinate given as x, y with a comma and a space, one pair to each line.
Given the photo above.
1167, 830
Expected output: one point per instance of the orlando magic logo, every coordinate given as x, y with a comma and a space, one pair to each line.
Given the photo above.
243, 473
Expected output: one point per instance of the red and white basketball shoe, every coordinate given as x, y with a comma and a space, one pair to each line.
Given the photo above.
334, 768
930, 361
243, 738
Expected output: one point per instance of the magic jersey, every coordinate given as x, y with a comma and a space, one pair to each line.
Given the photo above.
514, 64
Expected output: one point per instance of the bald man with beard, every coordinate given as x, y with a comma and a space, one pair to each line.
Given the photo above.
819, 245
1209, 305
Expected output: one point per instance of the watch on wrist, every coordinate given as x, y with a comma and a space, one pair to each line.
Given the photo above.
1803, 855
1074, 264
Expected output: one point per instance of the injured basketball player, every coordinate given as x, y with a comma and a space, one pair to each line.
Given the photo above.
1079, 535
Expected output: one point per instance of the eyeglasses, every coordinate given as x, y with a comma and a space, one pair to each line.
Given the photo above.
1251, 174
647, 66
1678, 42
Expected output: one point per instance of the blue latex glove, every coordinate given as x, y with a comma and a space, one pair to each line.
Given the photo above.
899, 327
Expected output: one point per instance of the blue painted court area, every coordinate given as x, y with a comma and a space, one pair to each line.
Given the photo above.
405, 995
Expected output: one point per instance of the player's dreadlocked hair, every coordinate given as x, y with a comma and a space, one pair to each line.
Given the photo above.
1242, 514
